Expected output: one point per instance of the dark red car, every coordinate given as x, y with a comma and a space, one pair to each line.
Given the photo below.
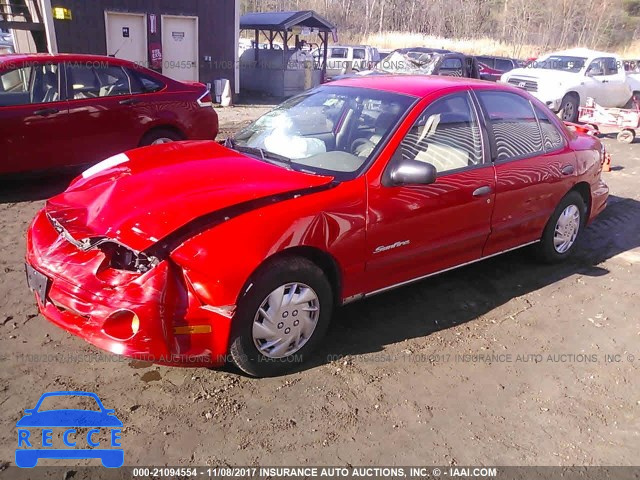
62, 110
185, 253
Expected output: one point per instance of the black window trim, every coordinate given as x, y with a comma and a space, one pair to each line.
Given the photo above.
483, 144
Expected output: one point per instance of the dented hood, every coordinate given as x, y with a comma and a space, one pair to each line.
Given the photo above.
140, 197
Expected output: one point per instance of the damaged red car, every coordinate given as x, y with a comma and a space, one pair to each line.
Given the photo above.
196, 253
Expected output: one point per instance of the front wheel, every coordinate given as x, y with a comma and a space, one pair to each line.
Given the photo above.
569, 108
281, 318
563, 229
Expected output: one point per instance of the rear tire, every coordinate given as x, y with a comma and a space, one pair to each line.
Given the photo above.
160, 135
269, 337
563, 229
569, 108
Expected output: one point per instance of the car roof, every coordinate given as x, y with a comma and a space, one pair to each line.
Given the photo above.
422, 50
416, 85
582, 52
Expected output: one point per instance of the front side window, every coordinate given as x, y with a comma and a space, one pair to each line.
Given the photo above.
358, 54
446, 135
451, 67
30, 84
514, 125
330, 130
88, 81
602, 67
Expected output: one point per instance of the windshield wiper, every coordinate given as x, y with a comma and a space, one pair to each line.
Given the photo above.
264, 154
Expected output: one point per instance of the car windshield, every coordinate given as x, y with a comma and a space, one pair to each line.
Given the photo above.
562, 62
420, 63
331, 130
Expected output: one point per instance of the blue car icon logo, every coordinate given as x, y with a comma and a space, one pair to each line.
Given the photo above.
36, 432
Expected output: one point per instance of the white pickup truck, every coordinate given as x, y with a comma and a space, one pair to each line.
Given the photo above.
563, 81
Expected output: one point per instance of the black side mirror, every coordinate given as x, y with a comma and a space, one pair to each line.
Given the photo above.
402, 171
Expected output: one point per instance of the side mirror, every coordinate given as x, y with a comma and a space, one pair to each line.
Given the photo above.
411, 172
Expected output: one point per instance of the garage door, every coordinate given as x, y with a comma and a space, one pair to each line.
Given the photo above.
127, 36
180, 47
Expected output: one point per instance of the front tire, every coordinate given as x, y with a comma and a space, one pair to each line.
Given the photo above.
569, 108
281, 318
563, 229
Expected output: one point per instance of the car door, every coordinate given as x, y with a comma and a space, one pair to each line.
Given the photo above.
616, 81
33, 117
604, 83
534, 167
415, 230
102, 97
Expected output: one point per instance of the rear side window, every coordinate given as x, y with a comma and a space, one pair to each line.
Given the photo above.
515, 128
551, 137
147, 84
95, 82
504, 65
446, 135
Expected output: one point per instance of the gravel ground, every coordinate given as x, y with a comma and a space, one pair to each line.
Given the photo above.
505, 362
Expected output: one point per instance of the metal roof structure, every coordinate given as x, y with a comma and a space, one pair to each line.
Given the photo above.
285, 21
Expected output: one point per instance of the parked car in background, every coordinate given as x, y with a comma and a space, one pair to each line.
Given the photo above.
564, 80
348, 190
62, 110
632, 66
6, 42
502, 64
488, 73
349, 58
424, 61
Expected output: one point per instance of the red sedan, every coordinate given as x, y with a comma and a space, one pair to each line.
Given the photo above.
63, 110
193, 253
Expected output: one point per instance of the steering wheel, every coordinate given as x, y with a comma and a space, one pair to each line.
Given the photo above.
362, 147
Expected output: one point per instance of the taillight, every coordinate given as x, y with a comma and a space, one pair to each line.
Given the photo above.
205, 100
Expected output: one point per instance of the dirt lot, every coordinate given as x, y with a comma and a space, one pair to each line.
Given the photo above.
500, 363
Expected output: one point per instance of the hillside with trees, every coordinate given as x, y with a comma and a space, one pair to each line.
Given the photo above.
521, 24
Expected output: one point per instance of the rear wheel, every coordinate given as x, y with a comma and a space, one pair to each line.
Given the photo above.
563, 229
159, 136
281, 318
569, 108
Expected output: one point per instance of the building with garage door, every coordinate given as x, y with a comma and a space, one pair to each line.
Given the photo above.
193, 40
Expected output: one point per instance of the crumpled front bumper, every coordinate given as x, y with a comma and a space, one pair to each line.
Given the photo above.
174, 327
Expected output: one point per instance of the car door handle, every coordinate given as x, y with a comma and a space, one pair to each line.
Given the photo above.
46, 111
482, 191
128, 101
568, 170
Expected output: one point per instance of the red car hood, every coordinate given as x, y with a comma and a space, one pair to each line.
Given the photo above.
156, 190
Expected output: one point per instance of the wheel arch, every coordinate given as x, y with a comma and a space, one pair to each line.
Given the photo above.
584, 189
159, 127
324, 260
